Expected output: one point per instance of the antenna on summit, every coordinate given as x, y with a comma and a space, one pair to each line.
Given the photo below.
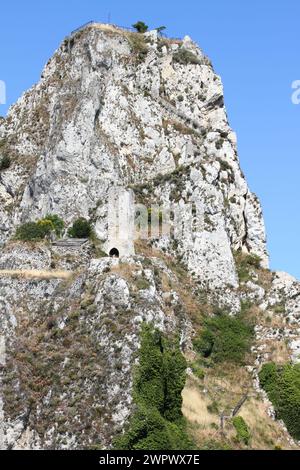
109, 18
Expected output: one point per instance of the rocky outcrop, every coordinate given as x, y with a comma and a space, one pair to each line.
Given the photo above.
116, 107
144, 114
68, 348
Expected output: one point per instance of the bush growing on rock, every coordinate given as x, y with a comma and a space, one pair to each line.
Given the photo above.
282, 384
5, 163
157, 423
184, 57
41, 229
57, 222
138, 45
224, 339
140, 26
81, 228
34, 230
242, 430
246, 263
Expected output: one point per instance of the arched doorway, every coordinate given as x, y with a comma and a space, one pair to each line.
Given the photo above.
114, 253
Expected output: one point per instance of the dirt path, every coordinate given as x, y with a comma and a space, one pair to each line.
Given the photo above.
36, 274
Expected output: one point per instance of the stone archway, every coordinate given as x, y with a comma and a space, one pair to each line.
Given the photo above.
114, 253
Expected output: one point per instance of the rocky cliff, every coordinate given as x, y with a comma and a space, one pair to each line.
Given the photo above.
146, 114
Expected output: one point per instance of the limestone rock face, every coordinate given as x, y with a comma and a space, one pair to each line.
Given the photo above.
144, 115
118, 108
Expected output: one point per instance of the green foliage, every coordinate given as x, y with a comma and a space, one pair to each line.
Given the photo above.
242, 430
224, 339
213, 408
160, 29
142, 284
197, 371
213, 444
224, 164
33, 231
282, 384
138, 45
57, 222
245, 263
140, 26
184, 56
157, 423
46, 227
5, 163
81, 228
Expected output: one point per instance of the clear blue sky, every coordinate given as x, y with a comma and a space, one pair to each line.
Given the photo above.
254, 46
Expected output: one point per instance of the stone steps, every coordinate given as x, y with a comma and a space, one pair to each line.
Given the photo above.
70, 242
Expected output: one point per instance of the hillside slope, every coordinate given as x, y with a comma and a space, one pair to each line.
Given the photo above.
143, 114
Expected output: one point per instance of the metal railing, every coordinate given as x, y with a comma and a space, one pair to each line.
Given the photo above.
82, 27
89, 23
127, 28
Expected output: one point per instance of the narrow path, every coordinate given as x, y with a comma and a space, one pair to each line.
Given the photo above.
36, 274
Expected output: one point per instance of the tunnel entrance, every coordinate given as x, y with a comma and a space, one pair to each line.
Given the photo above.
114, 253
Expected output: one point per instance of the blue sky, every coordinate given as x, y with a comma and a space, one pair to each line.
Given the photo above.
254, 46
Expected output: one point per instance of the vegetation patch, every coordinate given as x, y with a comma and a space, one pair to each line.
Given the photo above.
242, 430
282, 384
140, 26
81, 228
157, 423
224, 339
5, 162
142, 284
197, 370
35, 231
57, 223
138, 45
246, 264
213, 444
184, 57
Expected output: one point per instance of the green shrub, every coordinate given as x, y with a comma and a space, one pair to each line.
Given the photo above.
245, 263
140, 26
224, 339
5, 163
46, 227
34, 231
242, 431
282, 384
213, 408
157, 423
81, 228
184, 56
197, 371
57, 222
41, 229
142, 284
138, 45
160, 29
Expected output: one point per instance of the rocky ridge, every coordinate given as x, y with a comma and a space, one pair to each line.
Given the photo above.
115, 108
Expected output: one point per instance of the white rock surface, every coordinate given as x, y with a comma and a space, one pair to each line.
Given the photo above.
107, 115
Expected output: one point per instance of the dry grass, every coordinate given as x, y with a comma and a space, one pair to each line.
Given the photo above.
36, 274
278, 351
195, 406
105, 27
178, 126
182, 283
265, 433
265, 278
226, 385
143, 248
